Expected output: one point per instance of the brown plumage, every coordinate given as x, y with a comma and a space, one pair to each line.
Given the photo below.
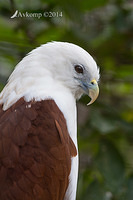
35, 152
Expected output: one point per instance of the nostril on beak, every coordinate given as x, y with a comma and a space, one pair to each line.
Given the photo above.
92, 82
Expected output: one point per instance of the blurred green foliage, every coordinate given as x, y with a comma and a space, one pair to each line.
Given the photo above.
105, 131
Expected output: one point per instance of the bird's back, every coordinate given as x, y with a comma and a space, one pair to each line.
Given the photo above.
35, 152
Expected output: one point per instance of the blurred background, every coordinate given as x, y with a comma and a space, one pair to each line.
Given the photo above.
105, 129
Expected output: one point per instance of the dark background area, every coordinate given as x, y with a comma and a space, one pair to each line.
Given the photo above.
105, 129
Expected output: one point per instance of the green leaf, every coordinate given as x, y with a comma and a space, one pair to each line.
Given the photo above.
129, 195
94, 192
111, 166
91, 4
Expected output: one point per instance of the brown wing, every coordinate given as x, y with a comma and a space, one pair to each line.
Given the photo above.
35, 152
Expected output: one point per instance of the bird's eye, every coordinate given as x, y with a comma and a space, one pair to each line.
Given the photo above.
78, 69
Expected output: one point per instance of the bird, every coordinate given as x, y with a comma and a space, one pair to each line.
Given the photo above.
38, 122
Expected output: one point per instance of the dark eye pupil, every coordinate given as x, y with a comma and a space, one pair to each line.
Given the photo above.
79, 69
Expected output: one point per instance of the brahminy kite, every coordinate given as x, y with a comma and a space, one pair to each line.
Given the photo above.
38, 122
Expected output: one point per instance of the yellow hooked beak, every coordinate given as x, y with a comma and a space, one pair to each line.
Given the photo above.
93, 91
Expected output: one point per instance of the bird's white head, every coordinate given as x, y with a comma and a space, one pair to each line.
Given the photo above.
60, 64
